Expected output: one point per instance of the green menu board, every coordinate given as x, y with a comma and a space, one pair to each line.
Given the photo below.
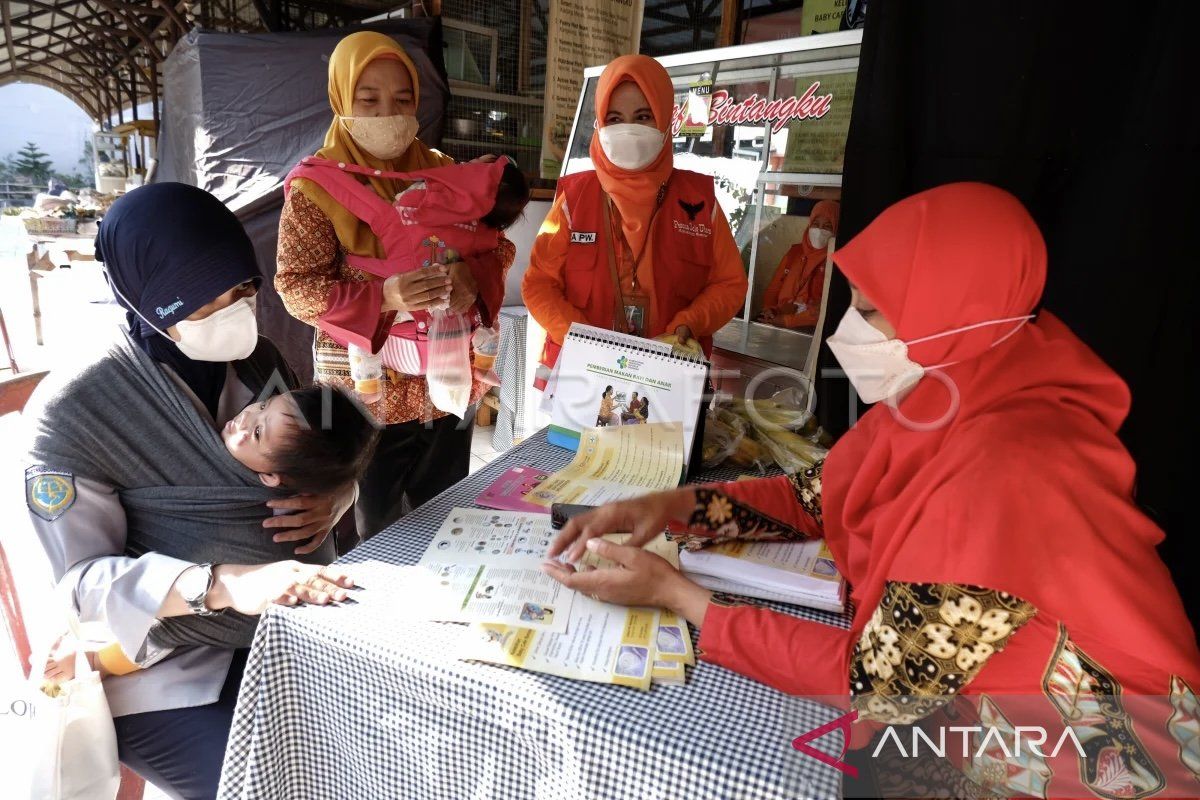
819, 145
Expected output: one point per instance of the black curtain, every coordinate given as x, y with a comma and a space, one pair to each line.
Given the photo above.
1088, 114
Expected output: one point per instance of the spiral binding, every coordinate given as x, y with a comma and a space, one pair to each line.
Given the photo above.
614, 342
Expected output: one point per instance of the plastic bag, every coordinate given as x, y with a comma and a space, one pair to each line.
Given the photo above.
777, 432
720, 441
449, 369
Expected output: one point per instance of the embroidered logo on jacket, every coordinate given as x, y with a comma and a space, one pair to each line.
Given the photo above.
583, 237
49, 493
692, 209
163, 313
697, 229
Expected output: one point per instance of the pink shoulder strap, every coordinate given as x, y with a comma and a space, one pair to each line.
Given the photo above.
351, 195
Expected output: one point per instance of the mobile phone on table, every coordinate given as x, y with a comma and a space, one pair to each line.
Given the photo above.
561, 513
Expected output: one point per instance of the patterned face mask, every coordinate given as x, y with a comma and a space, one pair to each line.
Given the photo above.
383, 137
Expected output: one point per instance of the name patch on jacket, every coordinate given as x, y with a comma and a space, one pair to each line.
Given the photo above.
697, 229
583, 237
49, 493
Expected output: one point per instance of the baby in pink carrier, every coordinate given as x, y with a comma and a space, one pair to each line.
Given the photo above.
458, 211
451, 214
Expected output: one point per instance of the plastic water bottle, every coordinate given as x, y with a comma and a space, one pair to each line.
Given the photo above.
366, 370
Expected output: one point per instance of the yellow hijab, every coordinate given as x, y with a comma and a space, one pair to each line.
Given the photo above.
346, 65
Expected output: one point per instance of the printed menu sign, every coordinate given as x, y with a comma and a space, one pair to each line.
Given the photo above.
819, 144
582, 33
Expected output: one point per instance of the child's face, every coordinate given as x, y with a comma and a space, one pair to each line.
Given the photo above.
253, 435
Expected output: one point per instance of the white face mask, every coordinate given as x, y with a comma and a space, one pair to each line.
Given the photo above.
879, 367
631, 147
383, 137
230, 334
819, 237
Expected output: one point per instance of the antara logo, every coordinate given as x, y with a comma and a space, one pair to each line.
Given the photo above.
1025, 739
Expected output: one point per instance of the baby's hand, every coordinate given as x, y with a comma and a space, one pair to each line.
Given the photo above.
60, 662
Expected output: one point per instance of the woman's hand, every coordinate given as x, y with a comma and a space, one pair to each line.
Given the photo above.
643, 517
464, 289
313, 517
416, 290
639, 579
249, 589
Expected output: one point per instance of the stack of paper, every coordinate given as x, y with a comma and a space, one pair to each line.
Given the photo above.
485, 566
802, 573
604, 643
612, 463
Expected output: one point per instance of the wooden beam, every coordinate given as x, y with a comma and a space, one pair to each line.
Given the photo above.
730, 32
74, 44
54, 83
8, 34
43, 8
175, 16
131, 24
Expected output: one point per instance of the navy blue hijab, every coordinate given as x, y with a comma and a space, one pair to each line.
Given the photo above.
169, 249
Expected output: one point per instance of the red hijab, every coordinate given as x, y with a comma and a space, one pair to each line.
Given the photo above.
1026, 487
635, 192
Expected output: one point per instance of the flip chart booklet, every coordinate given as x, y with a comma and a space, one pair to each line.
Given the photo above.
607, 379
612, 463
485, 566
606, 643
802, 573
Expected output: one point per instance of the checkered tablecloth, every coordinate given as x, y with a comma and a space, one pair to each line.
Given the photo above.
349, 702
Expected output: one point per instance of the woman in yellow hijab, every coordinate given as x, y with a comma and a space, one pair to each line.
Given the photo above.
374, 92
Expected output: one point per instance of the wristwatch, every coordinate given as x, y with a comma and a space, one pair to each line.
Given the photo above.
194, 585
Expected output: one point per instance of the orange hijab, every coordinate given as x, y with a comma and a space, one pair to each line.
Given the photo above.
824, 210
346, 65
635, 191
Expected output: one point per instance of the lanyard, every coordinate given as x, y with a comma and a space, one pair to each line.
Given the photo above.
637, 262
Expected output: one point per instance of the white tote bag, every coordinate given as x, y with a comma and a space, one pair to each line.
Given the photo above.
73, 744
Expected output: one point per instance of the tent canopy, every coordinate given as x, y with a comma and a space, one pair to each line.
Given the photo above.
240, 110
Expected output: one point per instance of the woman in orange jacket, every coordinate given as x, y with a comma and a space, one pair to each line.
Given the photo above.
635, 245
793, 299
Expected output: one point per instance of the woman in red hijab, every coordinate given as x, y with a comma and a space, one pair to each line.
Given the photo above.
983, 513
635, 245
793, 298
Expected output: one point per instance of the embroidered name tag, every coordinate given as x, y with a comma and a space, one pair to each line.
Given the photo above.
582, 237
49, 493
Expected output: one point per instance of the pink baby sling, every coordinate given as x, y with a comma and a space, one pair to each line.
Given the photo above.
460, 194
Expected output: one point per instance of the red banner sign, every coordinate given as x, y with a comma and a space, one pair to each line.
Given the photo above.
755, 110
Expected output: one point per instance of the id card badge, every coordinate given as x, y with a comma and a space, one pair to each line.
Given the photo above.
635, 305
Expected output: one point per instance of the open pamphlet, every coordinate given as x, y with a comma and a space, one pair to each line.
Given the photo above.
610, 464
485, 566
605, 643
607, 379
802, 573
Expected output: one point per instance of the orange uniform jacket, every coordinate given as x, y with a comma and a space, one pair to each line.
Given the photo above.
548, 290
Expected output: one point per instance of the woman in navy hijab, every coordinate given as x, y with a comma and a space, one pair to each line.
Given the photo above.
183, 268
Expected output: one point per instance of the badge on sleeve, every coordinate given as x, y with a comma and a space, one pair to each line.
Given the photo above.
49, 493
